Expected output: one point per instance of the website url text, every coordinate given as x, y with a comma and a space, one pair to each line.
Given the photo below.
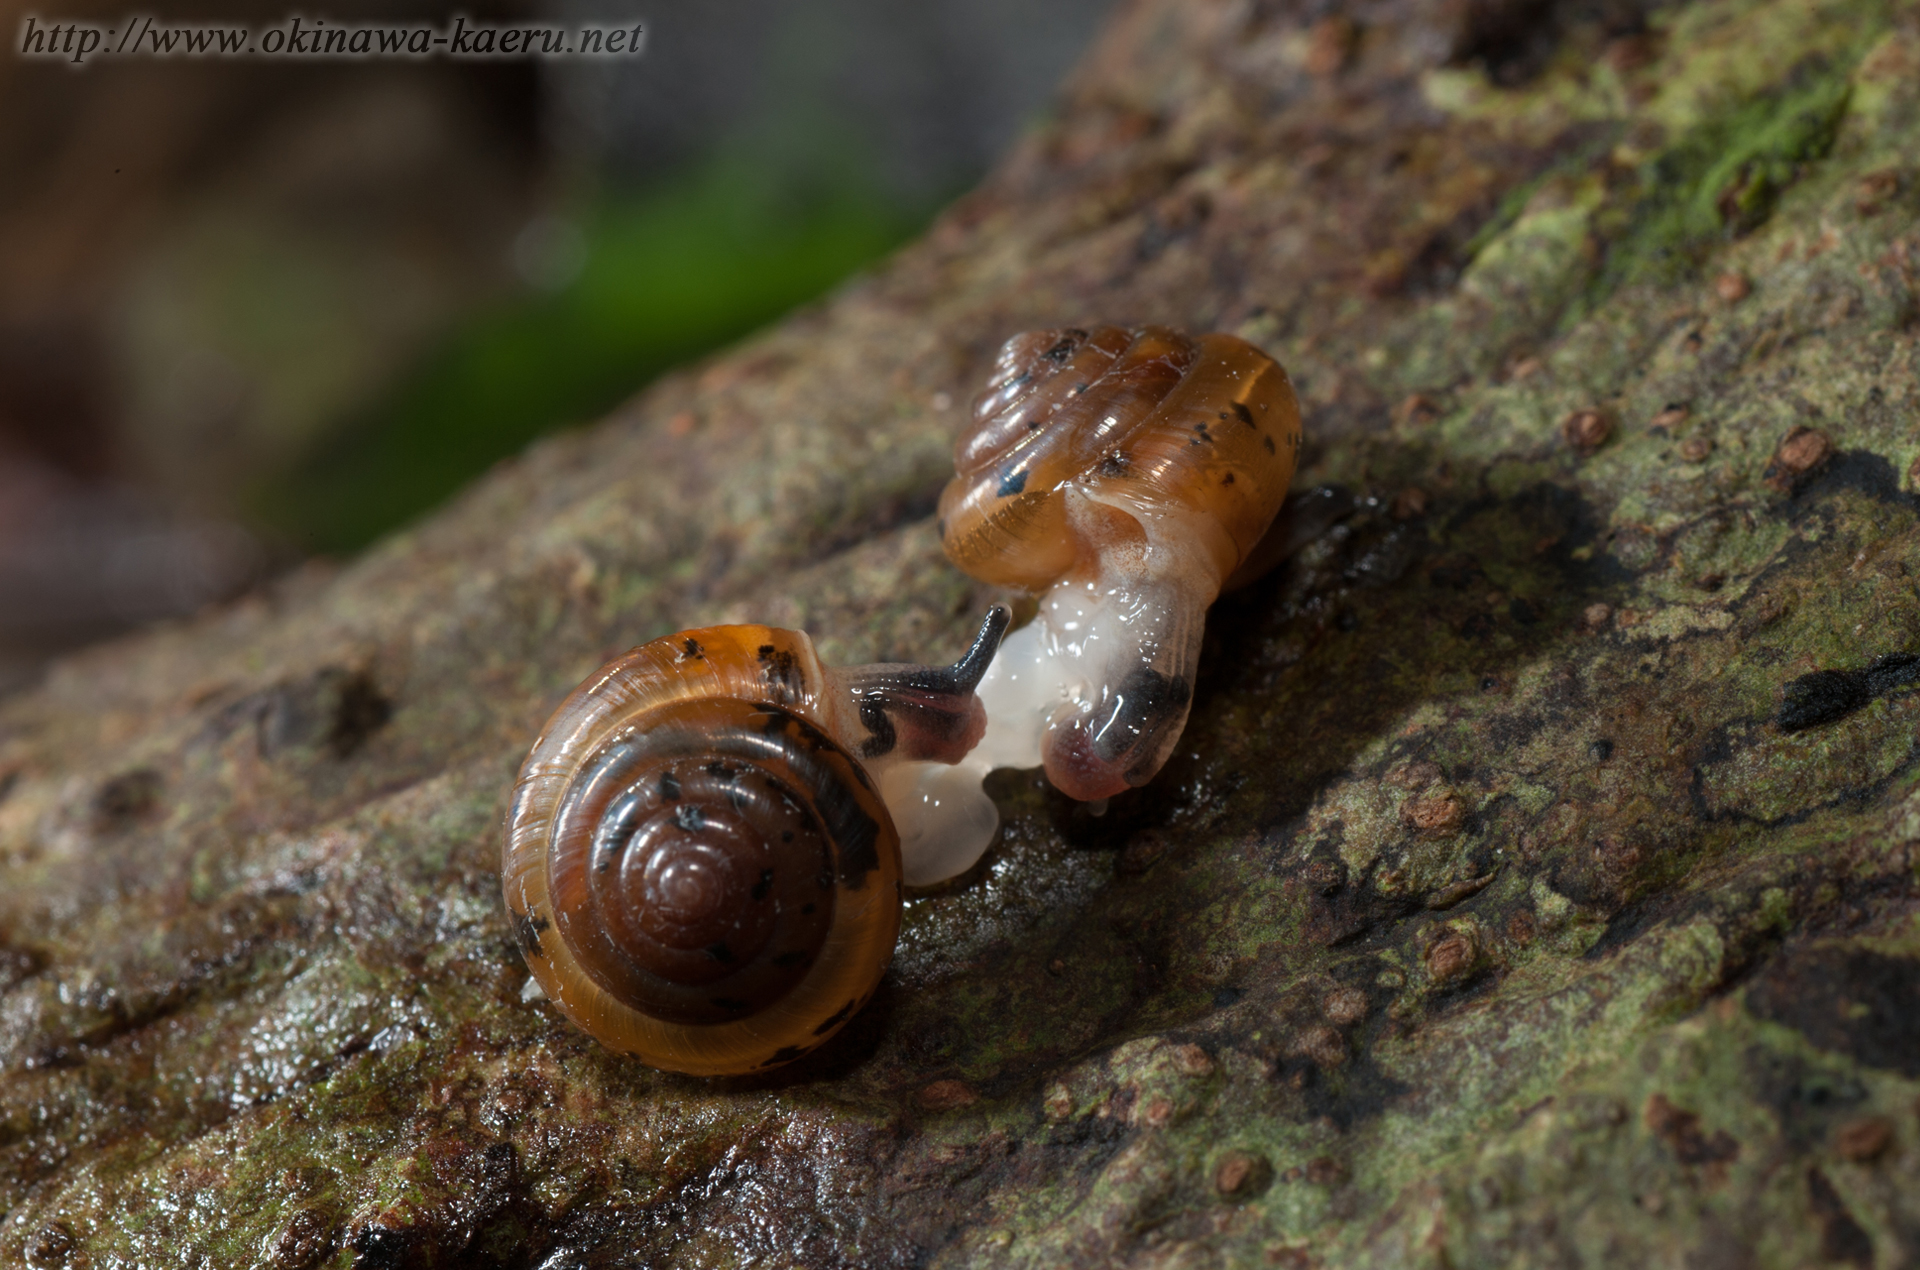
313, 38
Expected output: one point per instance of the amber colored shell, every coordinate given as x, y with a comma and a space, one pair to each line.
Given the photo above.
699, 875
1151, 416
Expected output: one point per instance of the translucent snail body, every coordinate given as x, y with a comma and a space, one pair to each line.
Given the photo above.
700, 858
1124, 477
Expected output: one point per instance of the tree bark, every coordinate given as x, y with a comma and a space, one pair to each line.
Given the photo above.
1536, 881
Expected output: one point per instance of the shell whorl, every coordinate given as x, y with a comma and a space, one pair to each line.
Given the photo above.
699, 873
1151, 422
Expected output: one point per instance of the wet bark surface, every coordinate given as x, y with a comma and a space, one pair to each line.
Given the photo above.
1536, 882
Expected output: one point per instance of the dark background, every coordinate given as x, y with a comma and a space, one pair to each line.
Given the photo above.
259, 313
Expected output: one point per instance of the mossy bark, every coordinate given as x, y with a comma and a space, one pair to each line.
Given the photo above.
1492, 912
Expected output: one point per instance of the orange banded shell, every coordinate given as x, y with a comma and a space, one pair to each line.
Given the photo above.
1149, 418
700, 874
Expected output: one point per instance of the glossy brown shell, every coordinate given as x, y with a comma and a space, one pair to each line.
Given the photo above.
699, 875
1150, 416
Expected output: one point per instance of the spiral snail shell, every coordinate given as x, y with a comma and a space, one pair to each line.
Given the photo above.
700, 860
1125, 476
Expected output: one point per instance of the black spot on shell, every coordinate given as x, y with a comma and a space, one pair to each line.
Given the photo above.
1012, 483
669, 788
774, 722
1061, 351
808, 908
690, 648
764, 885
1268, 442
1227, 479
839, 1016
1246, 415
849, 825
720, 952
1115, 464
777, 670
690, 818
528, 929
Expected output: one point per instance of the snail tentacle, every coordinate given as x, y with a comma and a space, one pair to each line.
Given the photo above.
924, 713
921, 721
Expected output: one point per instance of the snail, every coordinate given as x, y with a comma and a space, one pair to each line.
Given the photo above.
706, 846
1125, 478
704, 850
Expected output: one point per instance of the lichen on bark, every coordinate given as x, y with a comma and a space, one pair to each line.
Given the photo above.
1491, 913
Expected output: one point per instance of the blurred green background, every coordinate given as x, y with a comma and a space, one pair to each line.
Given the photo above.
641, 282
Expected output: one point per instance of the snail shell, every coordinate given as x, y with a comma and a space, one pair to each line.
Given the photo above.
699, 861
1125, 477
